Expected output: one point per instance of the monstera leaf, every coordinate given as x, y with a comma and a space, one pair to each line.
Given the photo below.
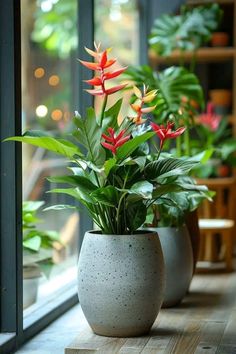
187, 31
173, 84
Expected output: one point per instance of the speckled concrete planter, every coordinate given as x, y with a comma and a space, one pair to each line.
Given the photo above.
178, 258
121, 282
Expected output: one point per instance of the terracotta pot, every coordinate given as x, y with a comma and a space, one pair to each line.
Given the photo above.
121, 282
221, 97
220, 39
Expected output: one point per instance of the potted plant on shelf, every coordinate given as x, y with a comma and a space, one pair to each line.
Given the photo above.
37, 251
117, 178
186, 32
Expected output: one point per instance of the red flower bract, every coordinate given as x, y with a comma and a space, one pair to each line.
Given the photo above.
165, 133
101, 64
112, 142
210, 119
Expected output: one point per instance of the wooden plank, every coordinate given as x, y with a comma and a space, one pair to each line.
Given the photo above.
229, 336
203, 323
208, 54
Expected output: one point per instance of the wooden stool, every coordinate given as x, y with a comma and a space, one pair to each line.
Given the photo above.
217, 219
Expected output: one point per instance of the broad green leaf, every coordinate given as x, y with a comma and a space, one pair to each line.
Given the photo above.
106, 195
168, 167
143, 188
59, 146
135, 215
130, 146
109, 164
165, 189
89, 134
111, 116
80, 194
78, 181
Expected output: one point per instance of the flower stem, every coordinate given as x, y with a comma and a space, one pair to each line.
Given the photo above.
100, 118
187, 141
178, 146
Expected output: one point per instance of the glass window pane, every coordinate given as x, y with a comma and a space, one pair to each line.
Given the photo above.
49, 65
117, 27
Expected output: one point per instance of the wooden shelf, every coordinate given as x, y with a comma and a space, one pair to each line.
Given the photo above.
203, 55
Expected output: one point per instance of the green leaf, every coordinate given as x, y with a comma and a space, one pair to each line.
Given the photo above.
136, 215
168, 167
143, 189
172, 83
78, 181
111, 116
109, 164
80, 194
165, 189
89, 134
106, 195
187, 31
59, 146
33, 243
130, 146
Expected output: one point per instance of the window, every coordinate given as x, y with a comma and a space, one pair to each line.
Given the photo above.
43, 96
56, 94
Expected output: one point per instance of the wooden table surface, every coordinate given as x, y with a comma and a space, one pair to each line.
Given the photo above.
204, 323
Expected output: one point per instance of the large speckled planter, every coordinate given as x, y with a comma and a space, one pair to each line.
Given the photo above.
121, 282
178, 258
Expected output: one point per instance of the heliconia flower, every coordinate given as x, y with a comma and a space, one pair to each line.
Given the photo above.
143, 98
165, 133
112, 142
101, 64
210, 119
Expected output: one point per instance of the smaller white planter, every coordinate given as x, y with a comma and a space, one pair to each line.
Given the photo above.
31, 276
178, 258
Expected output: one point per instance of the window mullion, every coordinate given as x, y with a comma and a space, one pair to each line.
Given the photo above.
11, 201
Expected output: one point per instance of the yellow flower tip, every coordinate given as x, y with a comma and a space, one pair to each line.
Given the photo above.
149, 98
148, 109
137, 92
152, 92
109, 50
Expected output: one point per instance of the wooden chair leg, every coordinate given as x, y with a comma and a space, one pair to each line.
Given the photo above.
210, 248
228, 242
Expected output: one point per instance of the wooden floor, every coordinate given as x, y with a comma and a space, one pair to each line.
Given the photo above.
205, 323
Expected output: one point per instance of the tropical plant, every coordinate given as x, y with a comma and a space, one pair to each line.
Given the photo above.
214, 133
37, 244
115, 175
187, 31
173, 84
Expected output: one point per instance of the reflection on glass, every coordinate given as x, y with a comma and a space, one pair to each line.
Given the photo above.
48, 73
116, 27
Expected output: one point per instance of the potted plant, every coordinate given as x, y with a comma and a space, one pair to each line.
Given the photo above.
188, 31
37, 251
170, 223
117, 178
